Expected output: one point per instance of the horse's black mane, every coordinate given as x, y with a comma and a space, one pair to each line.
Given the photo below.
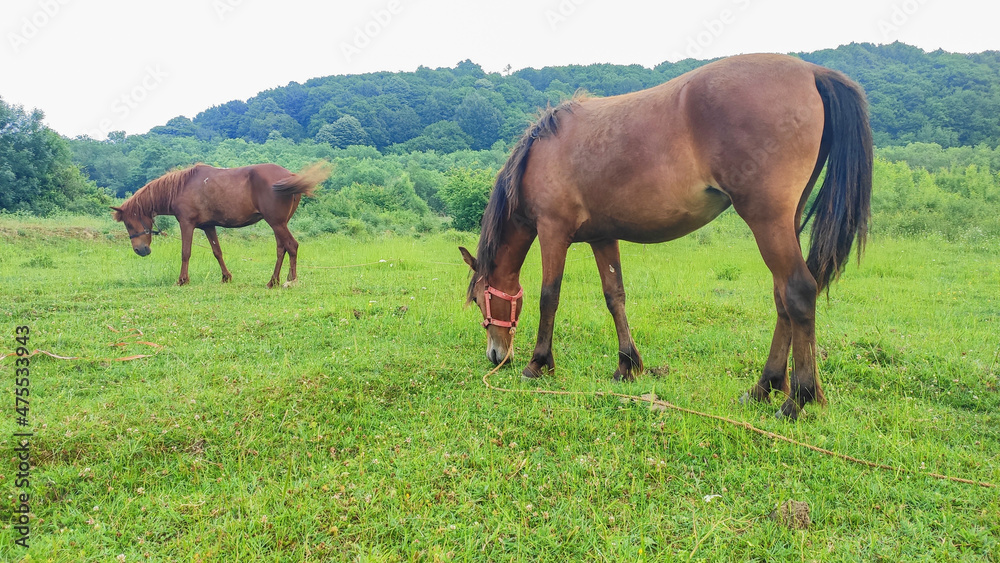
504, 199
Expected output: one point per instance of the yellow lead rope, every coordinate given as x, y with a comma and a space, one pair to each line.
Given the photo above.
746, 425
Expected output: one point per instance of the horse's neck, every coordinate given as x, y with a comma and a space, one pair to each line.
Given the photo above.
510, 256
162, 204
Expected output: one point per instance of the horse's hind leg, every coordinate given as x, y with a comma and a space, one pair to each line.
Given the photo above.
285, 243
795, 299
775, 373
609, 265
276, 276
213, 239
292, 248
799, 300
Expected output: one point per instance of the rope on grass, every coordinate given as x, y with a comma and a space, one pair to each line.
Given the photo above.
118, 344
341, 267
390, 261
58, 357
653, 400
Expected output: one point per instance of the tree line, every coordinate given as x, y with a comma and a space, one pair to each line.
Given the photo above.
37, 172
938, 97
415, 150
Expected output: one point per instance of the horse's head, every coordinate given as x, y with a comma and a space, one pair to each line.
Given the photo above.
500, 310
140, 229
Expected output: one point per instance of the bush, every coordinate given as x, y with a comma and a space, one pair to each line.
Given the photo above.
465, 194
37, 173
955, 202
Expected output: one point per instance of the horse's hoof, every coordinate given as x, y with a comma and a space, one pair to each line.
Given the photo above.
226, 279
756, 394
289, 284
789, 411
530, 374
182, 282
620, 377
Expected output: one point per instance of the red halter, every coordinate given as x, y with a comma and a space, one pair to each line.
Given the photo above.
489, 320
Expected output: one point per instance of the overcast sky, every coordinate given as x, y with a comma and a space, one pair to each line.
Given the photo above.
99, 65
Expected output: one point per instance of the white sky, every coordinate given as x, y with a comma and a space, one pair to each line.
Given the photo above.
100, 65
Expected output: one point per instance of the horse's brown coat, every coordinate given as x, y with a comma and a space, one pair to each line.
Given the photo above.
752, 131
204, 197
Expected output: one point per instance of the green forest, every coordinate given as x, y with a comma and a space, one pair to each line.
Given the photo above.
416, 151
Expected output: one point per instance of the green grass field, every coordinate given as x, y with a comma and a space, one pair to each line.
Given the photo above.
345, 418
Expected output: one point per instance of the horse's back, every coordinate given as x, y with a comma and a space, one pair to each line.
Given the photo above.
269, 173
250, 176
659, 163
231, 197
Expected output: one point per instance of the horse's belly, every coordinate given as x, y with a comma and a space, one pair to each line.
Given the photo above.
244, 222
625, 229
654, 221
233, 222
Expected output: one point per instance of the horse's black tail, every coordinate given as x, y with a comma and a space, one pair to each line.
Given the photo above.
305, 181
842, 207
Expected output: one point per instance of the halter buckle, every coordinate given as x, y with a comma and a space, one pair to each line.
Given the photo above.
146, 230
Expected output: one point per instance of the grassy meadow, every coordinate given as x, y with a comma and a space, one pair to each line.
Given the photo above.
345, 418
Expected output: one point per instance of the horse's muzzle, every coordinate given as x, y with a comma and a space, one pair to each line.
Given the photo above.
141, 250
496, 353
494, 356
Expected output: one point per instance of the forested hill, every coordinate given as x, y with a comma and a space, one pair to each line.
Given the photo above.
945, 98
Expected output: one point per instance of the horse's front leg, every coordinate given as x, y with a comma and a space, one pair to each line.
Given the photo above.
609, 265
187, 233
553, 264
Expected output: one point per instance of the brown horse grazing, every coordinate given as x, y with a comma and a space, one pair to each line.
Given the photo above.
751, 131
204, 197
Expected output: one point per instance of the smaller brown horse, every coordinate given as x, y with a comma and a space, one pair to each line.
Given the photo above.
205, 197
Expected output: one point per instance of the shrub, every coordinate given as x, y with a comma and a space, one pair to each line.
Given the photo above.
465, 194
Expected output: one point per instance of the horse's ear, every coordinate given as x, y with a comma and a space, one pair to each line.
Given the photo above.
469, 258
